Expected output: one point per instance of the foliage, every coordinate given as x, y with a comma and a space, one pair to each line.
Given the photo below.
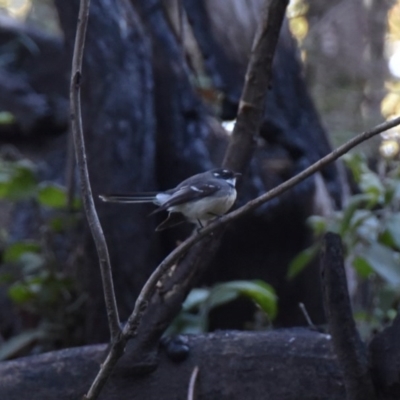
45, 296
197, 306
369, 226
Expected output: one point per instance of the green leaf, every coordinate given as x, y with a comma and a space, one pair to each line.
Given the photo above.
258, 291
372, 184
20, 293
298, 264
318, 224
186, 323
17, 180
14, 251
357, 201
386, 239
365, 224
357, 163
384, 261
221, 294
52, 195
362, 266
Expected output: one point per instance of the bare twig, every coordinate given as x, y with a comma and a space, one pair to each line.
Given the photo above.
307, 316
175, 255
80, 154
192, 383
349, 348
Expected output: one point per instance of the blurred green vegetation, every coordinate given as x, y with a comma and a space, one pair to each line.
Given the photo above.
45, 296
369, 226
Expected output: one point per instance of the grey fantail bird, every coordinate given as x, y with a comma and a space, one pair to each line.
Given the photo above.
199, 198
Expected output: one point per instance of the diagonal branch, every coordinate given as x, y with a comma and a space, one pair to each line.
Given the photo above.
182, 249
80, 154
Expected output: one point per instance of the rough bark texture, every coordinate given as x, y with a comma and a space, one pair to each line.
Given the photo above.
287, 364
385, 358
349, 348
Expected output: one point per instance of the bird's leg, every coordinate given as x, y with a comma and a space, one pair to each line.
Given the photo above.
200, 226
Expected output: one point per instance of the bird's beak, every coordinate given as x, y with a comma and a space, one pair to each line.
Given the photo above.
238, 174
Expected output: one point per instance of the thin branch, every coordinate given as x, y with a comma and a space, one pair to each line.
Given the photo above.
180, 251
80, 154
349, 348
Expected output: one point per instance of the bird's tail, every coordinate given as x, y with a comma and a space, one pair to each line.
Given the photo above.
129, 198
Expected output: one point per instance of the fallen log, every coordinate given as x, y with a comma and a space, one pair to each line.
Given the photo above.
280, 364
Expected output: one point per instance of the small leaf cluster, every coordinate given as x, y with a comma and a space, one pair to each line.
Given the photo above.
194, 317
44, 295
369, 226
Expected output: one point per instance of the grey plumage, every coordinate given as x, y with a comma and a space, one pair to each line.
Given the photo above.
199, 198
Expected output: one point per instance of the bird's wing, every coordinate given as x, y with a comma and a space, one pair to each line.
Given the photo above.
186, 194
